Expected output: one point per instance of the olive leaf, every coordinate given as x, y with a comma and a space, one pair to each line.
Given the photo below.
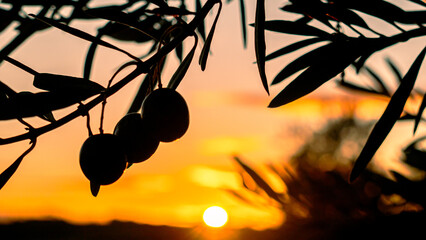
81, 34
28, 104
243, 23
419, 114
304, 61
356, 87
338, 56
414, 156
174, 11
292, 47
259, 42
183, 67
383, 88
297, 28
394, 69
206, 48
68, 84
259, 180
201, 28
391, 114
8, 173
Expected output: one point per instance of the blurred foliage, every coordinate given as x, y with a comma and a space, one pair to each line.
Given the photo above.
319, 203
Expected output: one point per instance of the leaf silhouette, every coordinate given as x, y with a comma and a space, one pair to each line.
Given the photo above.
297, 28
27, 104
69, 84
81, 34
201, 28
243, 23
387, 120
394, 69
304, 61
313, 9
378, 8
183, 67
8, 173
383, 88
419, 114
356, 87
206, 48
259, 41
292, 47
174, 11
415, 157
338, 56
259, 181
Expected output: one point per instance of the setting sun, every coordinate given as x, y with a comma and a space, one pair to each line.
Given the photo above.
215, 216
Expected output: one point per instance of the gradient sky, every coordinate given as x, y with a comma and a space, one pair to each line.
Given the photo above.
228, 116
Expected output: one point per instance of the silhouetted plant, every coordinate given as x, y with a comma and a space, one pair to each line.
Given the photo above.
319, 203
162, 25
348, 41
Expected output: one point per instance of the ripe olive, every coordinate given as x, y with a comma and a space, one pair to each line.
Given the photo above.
102, 159
167, 114
136, 138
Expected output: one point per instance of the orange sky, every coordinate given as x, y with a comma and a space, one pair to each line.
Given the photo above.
228, 115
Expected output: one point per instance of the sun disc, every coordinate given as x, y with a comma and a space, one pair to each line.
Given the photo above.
215, 216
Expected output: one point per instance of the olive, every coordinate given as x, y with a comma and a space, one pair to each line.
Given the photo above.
167, 114
102, 159
135, 135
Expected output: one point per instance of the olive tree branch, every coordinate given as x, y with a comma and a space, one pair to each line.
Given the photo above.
141, 68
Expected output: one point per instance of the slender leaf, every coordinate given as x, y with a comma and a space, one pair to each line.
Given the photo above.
6, 90
297, 28
419, 113
8, 173
339, 56
112, 13
183, 67
206, 48
90, 56
81, 34
356, 87
259, 41
304, 61
21, 65
395, 69
292, 47
69, 84
259, 180
174, 11
201, 27
243, 23
378, 80
390, 116
27, 104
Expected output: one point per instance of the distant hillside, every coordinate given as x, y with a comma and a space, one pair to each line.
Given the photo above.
116, 230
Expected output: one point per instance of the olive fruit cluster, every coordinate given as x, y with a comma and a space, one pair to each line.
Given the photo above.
136, 137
